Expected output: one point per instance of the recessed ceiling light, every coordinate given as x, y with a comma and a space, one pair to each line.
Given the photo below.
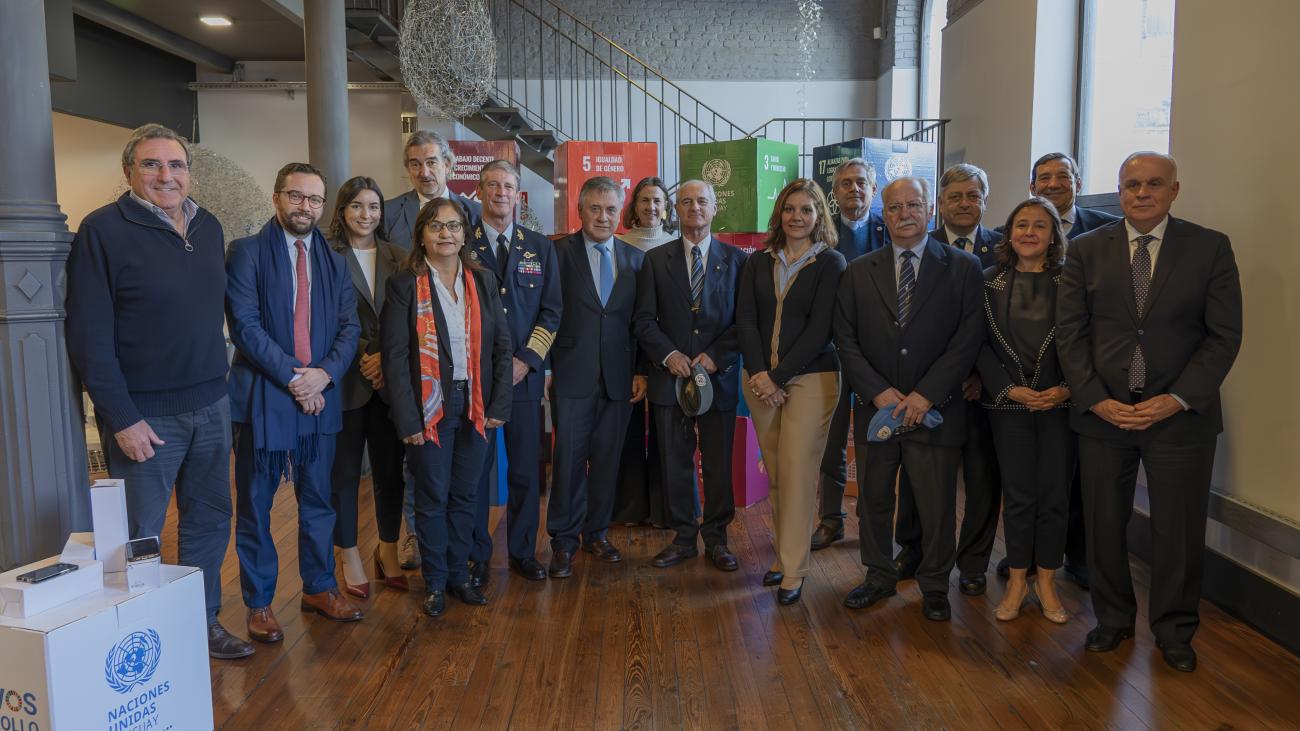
216, 21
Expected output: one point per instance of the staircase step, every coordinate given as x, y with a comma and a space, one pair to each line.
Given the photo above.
508, 118
539, 139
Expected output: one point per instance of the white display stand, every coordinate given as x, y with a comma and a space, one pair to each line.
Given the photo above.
113, 659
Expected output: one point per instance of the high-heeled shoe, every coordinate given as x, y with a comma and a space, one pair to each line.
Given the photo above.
360, 591
398, 582
1005, 613
1054, 615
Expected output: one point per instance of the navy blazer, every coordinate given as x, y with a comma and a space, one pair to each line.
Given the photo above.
258, 356
594, 350
1088, 219
932, 355
877, 236
986, 241
664, 321
530, 294
1190, 332
388, 260
401, 350
400, 214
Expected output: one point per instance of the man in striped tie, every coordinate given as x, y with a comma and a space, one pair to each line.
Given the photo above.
909, 326
686, 316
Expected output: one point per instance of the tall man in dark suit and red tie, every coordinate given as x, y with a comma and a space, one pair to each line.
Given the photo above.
1149, 322
525, 265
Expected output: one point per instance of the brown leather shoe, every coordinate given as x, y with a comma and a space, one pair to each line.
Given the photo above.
263, 627
331, 605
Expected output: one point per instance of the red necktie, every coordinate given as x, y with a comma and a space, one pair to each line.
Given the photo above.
302, 309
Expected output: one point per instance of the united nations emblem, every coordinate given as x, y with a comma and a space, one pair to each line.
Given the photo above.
897, 166
133, 661
716, 171
701, 380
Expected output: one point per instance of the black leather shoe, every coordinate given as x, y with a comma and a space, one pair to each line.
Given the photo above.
772, 578
723, 558
603, 550
828, 531
906, 564
868, 593
972, 585
1004, 569
467, 594
479, 574
1078, 573
1178, 655
672, 555
529, 568
1105, 639
935, 607
786, 597
561, 565
435, 604
224, 646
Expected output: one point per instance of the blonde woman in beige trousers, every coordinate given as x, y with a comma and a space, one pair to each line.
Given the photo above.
792, 380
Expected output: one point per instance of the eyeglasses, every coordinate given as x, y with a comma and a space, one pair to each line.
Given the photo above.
452, 226
910, 207
153, 167
297, 198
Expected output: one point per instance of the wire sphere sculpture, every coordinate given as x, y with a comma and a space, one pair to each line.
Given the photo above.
810, 25
448, 54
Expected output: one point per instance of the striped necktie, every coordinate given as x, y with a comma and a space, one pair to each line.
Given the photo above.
906, 285
697, 278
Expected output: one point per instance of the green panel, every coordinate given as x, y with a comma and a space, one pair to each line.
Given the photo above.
747, 175
778, 164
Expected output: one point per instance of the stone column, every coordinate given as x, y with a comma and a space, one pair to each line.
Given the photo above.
43, 492
326, 48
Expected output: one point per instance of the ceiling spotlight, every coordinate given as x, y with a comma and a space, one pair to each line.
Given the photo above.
216, 21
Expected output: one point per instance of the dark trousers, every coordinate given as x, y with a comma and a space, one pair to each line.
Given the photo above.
933, 471
589, 433
1076, 534
367, 428
259, 564
1036, 454
640, 495
523, 434
1178, 471
446, 487
983, 487
677, 438
834, 470
196, 459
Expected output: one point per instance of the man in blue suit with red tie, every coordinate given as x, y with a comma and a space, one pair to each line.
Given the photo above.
292, 315
596, 377
861, 232
525, 265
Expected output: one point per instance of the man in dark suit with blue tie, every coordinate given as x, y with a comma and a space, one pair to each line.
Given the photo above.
963, 189
292, 315
428, 159
525, 264
860, 232
595, 379
1148, 321
686, 316
909, 325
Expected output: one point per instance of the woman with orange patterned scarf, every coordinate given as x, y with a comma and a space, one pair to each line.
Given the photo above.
446, 361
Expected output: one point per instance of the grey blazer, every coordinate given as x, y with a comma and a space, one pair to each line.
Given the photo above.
388, 260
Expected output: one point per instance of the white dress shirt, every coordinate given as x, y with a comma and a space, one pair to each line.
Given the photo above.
919, 249
368, 258
453, 311
970, 238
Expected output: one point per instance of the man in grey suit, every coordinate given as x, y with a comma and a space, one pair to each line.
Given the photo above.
1148, 323
428, 159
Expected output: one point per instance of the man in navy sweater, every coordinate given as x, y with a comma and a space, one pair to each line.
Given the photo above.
146, 287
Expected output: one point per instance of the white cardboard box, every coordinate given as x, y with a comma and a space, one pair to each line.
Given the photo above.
80, 547
113, 660
23, 600
108, 511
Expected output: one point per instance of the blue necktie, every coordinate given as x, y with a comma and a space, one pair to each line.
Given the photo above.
606, 273
906, 283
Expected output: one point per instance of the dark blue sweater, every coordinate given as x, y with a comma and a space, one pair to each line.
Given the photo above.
144, 315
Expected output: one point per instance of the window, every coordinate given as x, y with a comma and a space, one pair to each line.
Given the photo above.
933, 19
1127, 79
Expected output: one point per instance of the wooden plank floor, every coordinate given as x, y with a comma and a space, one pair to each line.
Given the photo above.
630, 646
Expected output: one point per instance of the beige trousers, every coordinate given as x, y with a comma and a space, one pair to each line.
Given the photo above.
793, 437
